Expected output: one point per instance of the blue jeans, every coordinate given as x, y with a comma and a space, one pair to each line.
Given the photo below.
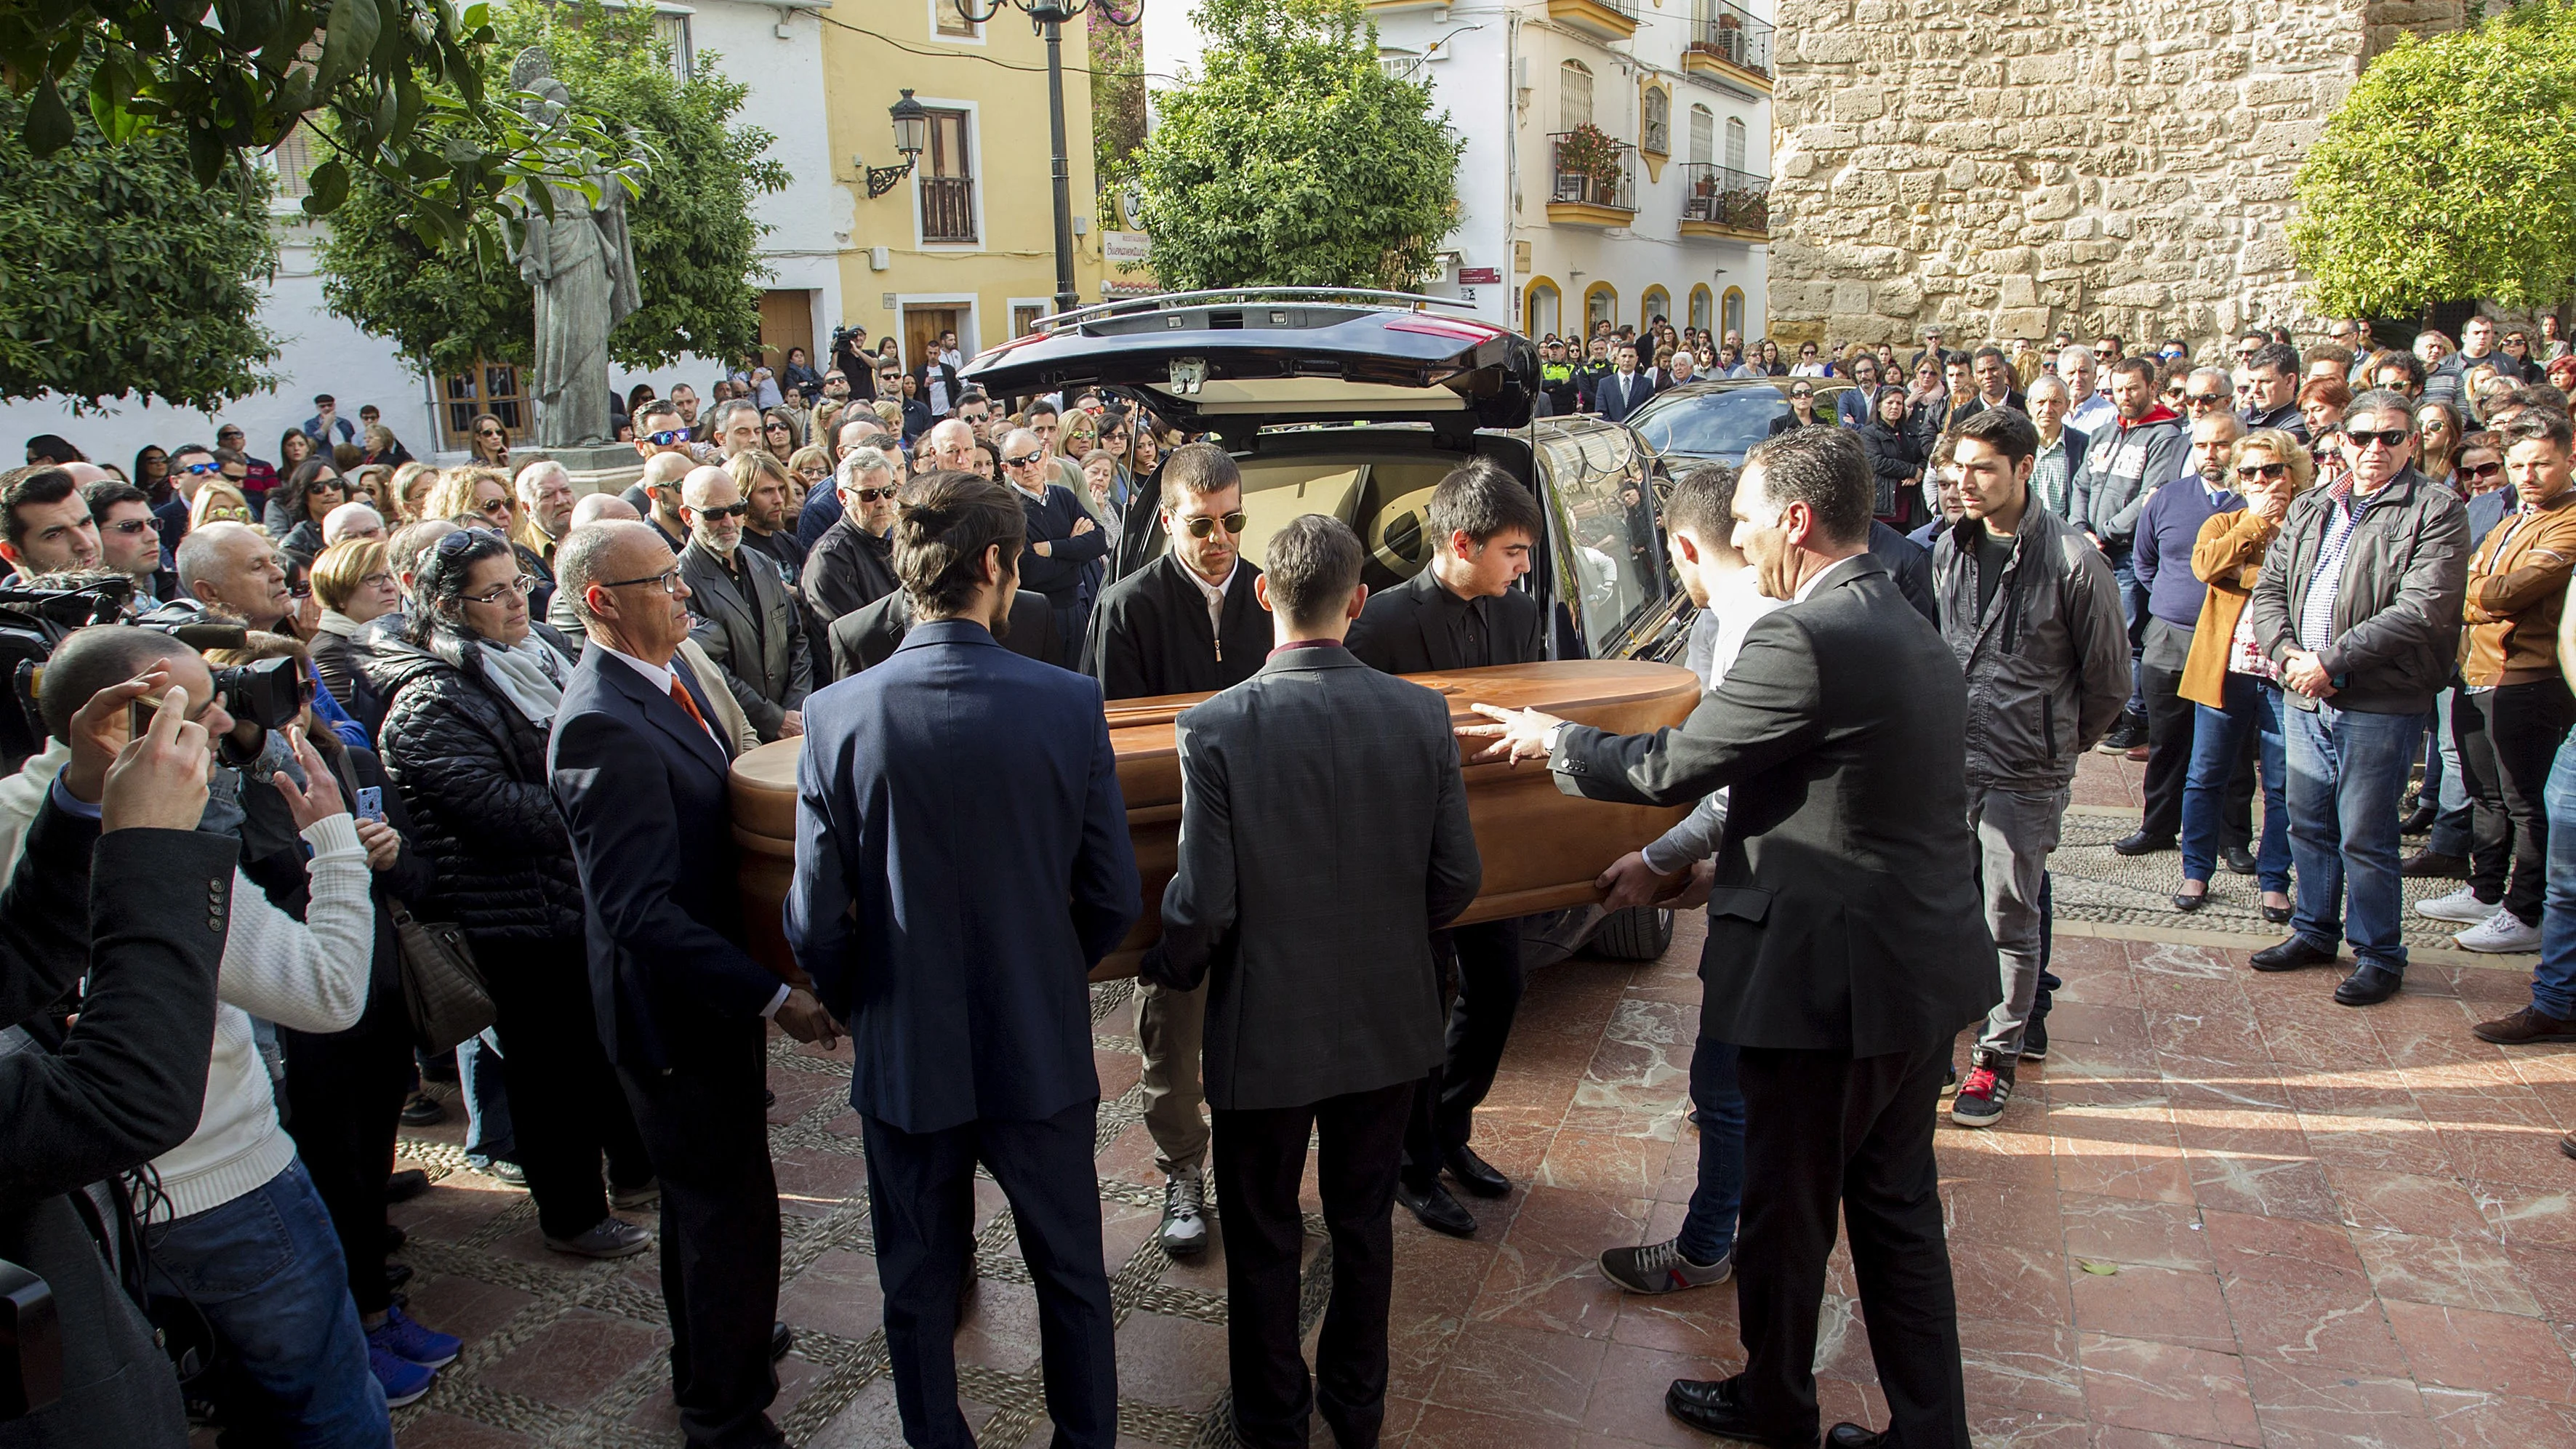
482, 1081
2451, 822
2347, 769
2133, 607
2217, 737
2553, 981
266, 1271
1708, 1229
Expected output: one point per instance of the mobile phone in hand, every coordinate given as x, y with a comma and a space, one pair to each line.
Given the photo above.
371, 803
138, 717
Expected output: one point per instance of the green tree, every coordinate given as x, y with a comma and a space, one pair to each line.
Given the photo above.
124, 277
1292, 159
2449, 172
1117, 97
402, 83
695, 239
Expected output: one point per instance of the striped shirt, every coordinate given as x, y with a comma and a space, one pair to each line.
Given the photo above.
2316, 612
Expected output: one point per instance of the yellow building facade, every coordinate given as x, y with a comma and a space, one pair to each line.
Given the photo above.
966, 242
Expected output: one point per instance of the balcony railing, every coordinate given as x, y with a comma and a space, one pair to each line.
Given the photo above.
1613, 186
947, 208
1732, 34
1718, 196
1611, 19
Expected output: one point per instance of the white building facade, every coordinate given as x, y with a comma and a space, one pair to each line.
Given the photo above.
1616, 157
775, 49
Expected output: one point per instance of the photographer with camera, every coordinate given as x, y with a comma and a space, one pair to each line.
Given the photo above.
234, 1229
235, 572
124, 1080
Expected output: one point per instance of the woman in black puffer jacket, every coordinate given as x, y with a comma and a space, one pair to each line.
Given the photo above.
470, 689
1895, 461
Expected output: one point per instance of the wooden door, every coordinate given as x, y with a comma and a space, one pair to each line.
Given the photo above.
921, 329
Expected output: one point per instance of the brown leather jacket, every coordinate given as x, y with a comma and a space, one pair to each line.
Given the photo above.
2517, 585
2228, 556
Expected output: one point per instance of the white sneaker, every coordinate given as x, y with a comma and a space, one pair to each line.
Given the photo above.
2461, 905
1184, 1231
2503, 931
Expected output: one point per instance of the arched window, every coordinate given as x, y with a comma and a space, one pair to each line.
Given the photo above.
1703, 136
1734, 143
1658, 135
1574, 96
1600, 305
1733, 310
1656, 302
1699, 308
1542, 308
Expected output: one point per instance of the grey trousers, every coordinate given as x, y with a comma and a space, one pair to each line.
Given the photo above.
2016, 830
1170, 1025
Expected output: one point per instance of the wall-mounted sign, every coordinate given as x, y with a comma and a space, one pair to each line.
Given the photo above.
1126, 246
1479, 276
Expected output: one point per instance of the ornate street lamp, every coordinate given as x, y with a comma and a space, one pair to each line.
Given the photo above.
911, 136
1048, 17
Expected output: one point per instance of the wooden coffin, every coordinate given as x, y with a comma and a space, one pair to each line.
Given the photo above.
1541, 847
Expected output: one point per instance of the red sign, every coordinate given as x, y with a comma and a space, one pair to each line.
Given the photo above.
1480, 276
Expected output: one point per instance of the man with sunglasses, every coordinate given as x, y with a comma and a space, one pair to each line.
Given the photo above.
258, 474
127, 541
1187, 622
852, 564
1063, 541
749, 620
2359, 603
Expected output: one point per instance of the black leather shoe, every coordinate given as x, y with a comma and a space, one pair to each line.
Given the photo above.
1709, 1406
2430, 864
2419, 822
2368, 985
2237, 859
782, 1339
2143, 844
1853, 1436
2293, 954
405, 1185
1476, 1174
1437, 1210
2186, 901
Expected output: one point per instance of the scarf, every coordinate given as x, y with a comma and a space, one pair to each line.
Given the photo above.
338, 625
530, 676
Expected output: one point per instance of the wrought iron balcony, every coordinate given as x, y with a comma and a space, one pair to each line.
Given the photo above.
1594, 179
1728, 37
1717, 201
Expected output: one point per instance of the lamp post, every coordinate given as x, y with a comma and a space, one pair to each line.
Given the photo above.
1048, 17
911, 137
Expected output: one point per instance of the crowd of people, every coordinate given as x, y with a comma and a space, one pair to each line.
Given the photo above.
472, 696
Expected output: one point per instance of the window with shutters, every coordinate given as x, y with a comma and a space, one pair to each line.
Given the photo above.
948, 180
1703, 136
1734, 144
1574, 96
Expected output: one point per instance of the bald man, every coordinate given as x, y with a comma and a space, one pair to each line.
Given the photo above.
748, 619
655, 497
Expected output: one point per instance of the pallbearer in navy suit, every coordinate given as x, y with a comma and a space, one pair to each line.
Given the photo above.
681, 1004
962, 862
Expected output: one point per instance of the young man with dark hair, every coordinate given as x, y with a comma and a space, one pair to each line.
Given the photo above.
1324, 1005
1463, 611
128, 541
2031, 612
2274, 403
45, 525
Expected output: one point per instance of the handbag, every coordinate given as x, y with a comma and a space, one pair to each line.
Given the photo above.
443, 987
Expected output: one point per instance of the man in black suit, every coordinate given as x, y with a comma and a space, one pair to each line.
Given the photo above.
1462, 612
748, 619
1846, 942
1324, 836
868, 637
1624, 389
682, 1007
1189, 621
962, 861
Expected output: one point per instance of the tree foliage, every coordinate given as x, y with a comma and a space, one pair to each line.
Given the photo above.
2449, 172
121, 277
1117, 98
695, 239
402, 84
1293, 160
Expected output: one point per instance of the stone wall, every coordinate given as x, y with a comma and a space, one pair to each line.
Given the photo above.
2003, 168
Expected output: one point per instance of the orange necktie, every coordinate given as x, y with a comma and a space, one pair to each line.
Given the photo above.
680, 697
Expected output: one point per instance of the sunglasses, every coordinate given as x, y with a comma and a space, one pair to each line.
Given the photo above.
489, 433
1203, 526
2203, 399
719, 515
2392, 439
2248, 472
1800, 394
497, 508
2483, 470
1022, 461
461, 540
204, 468
871, 495
299, 589
131, 528
668, 437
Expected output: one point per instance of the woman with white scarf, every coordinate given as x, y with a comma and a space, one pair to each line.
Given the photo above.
470, 691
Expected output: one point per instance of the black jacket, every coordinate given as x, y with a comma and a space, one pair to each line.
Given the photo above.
849, 569
303, 543
754, 629
1896, 459
864, 639
1058, 575
473, 772
1419, 626
342, 665
1149, 634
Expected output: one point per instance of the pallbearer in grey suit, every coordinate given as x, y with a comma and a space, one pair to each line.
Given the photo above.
1324, 835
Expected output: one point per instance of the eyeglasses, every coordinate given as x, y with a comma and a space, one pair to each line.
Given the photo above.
2392, 439
1204, 525
131, 528
1800, 394
668, 437
489, 433
871, 495
2203, 399
2483, 470
204, 468
1022, 461
719, 515
2248, 472
667, 581
228, 515
521, 585
377, 580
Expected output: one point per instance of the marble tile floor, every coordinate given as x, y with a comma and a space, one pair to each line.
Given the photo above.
2225, 1211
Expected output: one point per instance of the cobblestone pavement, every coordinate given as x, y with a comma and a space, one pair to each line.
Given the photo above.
2224, 1211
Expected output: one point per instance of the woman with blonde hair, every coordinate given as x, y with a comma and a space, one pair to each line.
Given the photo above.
2237, 688
355, 586
474, 496
218, 501
1079, 434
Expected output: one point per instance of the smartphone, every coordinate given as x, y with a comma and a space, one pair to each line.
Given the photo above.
138, 717
371, 803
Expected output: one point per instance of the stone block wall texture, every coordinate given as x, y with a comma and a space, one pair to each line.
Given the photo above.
2003, 168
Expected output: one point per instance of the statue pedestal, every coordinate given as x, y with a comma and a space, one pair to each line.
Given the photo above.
604, 469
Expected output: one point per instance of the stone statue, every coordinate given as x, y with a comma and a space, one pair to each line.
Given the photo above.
581, 263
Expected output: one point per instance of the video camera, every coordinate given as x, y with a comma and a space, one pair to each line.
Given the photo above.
33, 620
